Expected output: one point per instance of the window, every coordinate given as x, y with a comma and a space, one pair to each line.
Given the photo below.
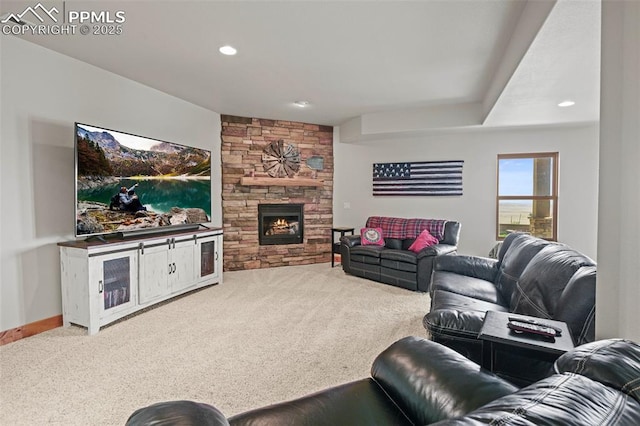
528, 194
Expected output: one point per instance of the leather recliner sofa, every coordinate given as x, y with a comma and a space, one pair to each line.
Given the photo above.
394, 263
417, 382
532, 277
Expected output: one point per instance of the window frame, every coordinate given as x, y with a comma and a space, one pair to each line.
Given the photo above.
554, 189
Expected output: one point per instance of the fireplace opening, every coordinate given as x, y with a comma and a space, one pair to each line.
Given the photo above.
280, 223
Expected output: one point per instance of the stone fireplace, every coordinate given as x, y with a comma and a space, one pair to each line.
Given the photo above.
280, 224
246, 186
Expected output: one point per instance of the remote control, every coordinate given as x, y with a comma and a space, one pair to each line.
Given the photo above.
525, 327
558, 330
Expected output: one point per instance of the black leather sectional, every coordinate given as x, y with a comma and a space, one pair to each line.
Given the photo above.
418, 382
394, 263
532, 277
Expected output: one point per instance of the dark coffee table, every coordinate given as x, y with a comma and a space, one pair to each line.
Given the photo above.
495, 331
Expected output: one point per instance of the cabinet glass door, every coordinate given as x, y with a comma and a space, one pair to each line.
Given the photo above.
207, 258
117, 282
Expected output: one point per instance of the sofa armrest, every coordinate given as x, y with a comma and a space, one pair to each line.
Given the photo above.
183, 413
425, 261
453, 323
350, 240
437, 250
470, 266
431, 382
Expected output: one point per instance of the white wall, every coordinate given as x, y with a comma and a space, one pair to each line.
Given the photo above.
42, 94
476, 209
618, 289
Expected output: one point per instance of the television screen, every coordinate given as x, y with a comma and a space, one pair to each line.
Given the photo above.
128, 183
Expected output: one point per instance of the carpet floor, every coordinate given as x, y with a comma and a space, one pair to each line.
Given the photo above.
263, 336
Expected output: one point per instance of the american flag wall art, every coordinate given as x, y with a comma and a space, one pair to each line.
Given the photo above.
431, 178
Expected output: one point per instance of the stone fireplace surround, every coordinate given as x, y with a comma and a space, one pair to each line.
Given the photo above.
243, 140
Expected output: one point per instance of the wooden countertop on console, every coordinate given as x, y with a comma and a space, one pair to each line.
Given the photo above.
115, 239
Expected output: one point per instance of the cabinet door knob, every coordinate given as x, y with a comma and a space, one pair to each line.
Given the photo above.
100, 287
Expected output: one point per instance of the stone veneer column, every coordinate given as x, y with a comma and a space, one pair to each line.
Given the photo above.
243, 140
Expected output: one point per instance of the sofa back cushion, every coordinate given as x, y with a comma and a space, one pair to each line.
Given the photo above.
451, 233
561, 399
577, 305
545, 278
393, 243
614, 362
514, 256
398, 244
506, 243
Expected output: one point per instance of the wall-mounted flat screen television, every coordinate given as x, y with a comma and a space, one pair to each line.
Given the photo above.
128, 184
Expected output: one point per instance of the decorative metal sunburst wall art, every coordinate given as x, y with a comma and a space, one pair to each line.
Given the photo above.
281, 159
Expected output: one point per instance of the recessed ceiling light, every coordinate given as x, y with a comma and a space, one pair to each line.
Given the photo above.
301, 104
228, 50
566, 103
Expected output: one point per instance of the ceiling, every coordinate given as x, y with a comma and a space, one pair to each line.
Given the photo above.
423, 64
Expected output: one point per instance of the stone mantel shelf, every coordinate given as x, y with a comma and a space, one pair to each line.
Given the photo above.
270, 181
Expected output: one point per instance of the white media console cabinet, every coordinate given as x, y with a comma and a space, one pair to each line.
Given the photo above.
105, 281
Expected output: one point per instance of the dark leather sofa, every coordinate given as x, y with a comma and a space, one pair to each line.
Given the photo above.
532, 277
394, 263
417, 382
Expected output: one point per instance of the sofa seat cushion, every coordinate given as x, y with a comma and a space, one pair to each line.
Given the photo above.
366, 254
405, 256
362, 402
467, 286
447, 300
457, 315
567, 399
